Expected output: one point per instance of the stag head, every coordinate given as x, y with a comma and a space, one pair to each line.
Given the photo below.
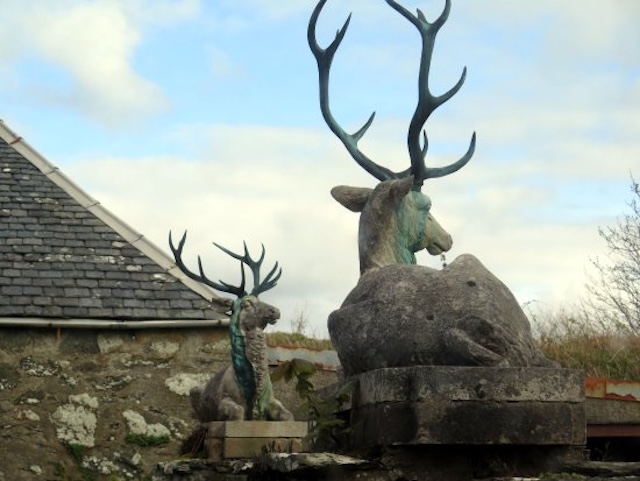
395, 220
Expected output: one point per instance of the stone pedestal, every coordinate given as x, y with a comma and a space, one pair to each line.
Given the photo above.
248, 439
444, 405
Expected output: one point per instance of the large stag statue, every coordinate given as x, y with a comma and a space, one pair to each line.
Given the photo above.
400, 314
395, 220
243, 390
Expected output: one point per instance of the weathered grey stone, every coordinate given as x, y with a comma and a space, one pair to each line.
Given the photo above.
487, 384
407, 315
442, 405
83, 342
9, 376
14, 340
469, 422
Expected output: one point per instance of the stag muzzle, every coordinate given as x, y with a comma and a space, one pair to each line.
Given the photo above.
437, 240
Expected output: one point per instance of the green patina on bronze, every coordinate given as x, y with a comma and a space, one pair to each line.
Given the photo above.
411, 232
249, 316
242, 367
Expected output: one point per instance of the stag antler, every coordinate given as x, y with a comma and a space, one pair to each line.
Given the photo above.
258, 286
427, 103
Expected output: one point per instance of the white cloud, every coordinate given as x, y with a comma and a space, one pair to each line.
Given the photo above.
94, 43
556, 116
91, 44
270, 185
222, 65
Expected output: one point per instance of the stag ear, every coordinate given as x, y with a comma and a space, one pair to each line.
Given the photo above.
353, 198
226, 303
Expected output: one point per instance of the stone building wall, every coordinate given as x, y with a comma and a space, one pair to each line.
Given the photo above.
103, 404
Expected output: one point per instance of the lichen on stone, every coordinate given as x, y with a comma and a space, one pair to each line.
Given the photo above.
108, 343
164, 349
138, 425
32, 368
76, 422
100, 465
114, 383
183, 382
84, 399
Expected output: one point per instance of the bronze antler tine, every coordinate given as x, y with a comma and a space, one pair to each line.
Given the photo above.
241, 287
427, 102
202, 278
255, 266
273, 271
269, 282
434, 172
324, 58
227, 251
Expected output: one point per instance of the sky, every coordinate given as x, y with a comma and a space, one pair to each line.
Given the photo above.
203, 115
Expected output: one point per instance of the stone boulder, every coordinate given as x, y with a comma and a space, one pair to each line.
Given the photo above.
409, 315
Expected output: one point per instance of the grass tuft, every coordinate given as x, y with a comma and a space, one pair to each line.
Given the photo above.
297, 339
576, 341
147, 440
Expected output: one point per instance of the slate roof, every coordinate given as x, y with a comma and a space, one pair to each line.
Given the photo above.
63, 256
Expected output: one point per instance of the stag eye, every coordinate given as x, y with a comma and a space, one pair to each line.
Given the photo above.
248, 302
421, 201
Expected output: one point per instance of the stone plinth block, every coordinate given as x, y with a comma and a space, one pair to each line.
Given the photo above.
509, 384
468, 405
248, 439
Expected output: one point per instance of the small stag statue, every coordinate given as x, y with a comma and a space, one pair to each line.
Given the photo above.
243, 390
395, 219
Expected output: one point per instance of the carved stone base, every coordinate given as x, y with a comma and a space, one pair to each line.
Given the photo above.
248, 439
443, 405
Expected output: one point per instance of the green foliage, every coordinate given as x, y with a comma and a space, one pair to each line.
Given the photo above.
88, 475
77, 451
147, 440
326, 428
60, 471
300, 369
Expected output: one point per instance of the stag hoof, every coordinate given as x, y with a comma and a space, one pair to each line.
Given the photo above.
230, 411
277, 412
467, 352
